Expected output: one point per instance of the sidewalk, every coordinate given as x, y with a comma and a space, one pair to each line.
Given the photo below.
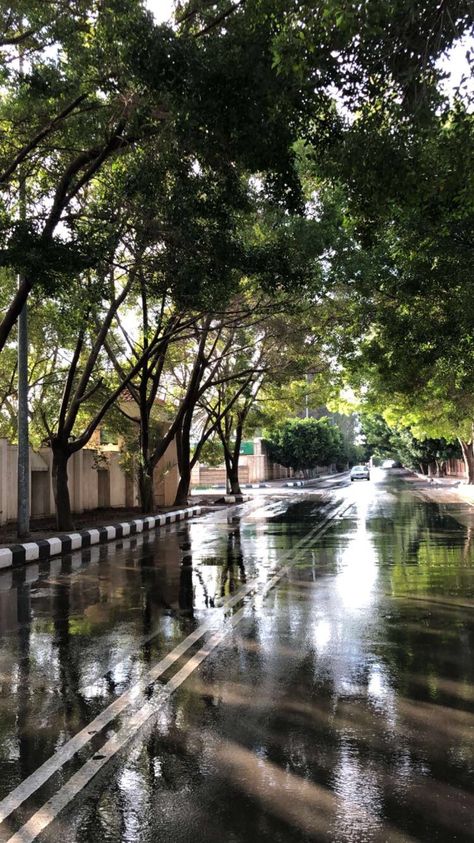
98, 526
56, 545
442, 489
269, 485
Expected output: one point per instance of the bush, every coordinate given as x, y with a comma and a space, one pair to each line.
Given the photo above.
305, 443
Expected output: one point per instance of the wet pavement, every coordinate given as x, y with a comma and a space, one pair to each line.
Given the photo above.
338, 706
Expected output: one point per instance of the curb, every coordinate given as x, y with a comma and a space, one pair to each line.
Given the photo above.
300, 483
18, 554
256, 486
235, 499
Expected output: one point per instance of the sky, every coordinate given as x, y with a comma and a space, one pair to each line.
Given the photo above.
162, 9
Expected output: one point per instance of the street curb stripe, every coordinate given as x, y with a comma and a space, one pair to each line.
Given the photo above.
19, 554
42, 818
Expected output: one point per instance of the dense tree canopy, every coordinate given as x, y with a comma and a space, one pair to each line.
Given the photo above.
153, 175
304, 444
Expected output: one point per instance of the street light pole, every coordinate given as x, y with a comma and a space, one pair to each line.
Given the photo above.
23, 511
23, 527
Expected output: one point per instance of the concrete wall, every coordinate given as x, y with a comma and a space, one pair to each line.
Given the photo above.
253, 468
455, 468
166, 477
90, 473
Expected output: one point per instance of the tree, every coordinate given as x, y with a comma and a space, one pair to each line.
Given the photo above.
66, 113
238, 83
407, 266
228, 403
303, 444
382, 442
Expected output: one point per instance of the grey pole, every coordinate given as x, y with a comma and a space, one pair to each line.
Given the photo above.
23, 528
23, 513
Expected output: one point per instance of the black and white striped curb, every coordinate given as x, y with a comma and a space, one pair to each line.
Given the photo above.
235, 499
18, 554
299, 483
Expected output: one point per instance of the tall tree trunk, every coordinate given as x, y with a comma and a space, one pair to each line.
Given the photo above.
182, 493
233, 478
183, 448
467, 449
62, 500
145, 488
233, 471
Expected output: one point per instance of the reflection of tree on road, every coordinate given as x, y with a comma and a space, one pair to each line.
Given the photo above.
186, 591
76, 710
25, 745
233, 571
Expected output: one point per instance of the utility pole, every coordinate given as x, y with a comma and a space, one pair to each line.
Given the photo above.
23, 514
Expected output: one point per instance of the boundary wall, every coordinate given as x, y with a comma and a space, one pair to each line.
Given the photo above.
96, 480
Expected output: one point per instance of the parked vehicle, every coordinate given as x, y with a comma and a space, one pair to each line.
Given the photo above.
360, 472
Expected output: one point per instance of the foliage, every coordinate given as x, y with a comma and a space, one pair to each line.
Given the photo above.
212, 453
402, 272
305, 443
382, 442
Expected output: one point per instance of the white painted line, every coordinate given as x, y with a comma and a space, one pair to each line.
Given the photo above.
33, 782
45, 815
48, 812
237, 597
111, 532
138, 525
317, 531
125, 528
95, 537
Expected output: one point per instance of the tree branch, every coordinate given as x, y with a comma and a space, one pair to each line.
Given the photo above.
44, 132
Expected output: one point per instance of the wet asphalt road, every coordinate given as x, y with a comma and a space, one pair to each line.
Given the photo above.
337, 707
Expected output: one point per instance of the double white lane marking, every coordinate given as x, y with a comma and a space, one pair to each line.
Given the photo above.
50, 810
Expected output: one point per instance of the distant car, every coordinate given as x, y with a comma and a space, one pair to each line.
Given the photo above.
360, 472
388, 464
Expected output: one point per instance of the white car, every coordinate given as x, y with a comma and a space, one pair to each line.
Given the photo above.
360, 472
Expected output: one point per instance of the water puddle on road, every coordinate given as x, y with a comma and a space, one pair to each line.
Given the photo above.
340, 709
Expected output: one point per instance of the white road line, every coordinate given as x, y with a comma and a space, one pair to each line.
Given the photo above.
69, 749
316, 531
31, 784
225, 603
50, 810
